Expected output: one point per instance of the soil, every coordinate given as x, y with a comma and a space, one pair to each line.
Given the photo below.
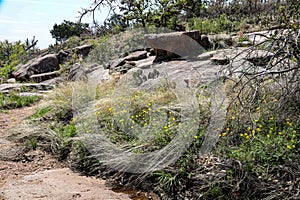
36, 174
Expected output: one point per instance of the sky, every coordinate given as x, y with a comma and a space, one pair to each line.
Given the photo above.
22, 19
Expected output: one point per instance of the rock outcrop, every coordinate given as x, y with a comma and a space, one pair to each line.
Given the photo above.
176, 44
25, 87
48, 63
83, 51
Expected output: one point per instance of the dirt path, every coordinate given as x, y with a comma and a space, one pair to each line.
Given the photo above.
36, 174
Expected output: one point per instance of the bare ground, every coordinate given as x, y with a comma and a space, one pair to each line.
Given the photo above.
36, 174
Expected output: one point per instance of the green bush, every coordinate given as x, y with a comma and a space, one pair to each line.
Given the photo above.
215, 26
13, 100
11, 54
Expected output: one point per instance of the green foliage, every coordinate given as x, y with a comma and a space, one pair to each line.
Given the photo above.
11, 54
72, 42
13, 100
280, 138
214, 192
168, 181
67, 131
33, 143
68, 29
215, 26
41, 112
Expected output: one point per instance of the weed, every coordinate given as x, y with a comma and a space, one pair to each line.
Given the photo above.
14, 100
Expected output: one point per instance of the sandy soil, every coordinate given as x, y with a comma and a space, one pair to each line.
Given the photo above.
36, 174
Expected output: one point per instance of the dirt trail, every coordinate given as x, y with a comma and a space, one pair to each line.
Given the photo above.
36, 174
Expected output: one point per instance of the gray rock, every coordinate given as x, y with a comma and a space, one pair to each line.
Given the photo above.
116, 63
99, 74
43, 77
30, 94
83, 51
244, 44
220, 59
259, 57
54, 81
11, 80
138, 55
62, 56
227, 39
25, 87
206, 42
179, 74
48, 63
169, 45
77, 72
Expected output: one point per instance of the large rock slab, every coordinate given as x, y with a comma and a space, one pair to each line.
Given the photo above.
135, 56
169, 45
80, 72
83, 50
48, 63
44, 76
24, 87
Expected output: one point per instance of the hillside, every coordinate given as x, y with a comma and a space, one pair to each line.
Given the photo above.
160, 114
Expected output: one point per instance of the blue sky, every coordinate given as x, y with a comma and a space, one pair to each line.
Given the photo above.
21, 19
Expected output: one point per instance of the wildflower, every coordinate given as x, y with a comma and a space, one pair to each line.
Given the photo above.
195, 136
233, 117
289, 123
258, 129
242, 135
258, 108
247, 137
110, 109
294, 131
268, 136
245, 134
173, 118
288, 146
256, 120
249, 128
279, 133
275, 100
227, 129
271, 119
293, 146
260, 126
292, 141
223, 134
253, 131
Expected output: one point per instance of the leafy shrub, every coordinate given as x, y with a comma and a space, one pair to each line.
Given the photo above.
13, 100
11, 54
68, 29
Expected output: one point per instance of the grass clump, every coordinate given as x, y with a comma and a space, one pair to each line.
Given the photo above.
13, 100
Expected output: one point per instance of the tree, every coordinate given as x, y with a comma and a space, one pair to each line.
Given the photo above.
67, 29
